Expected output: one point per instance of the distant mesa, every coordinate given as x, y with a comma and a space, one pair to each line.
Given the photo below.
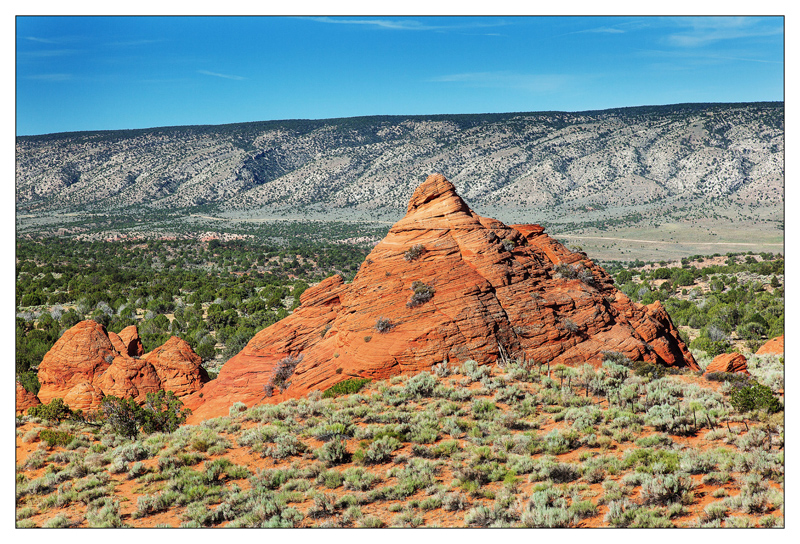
445, 284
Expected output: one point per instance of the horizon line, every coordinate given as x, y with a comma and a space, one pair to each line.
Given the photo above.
322, 119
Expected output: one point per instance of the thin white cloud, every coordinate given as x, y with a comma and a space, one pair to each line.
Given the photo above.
224, 76
396, 24
133, 43
48, 53
50, 77
706, 30
39, 40
405, 24
528, 82
601, 30
742, 59
604, 30
700, 56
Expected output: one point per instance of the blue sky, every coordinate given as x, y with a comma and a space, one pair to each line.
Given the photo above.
91, 73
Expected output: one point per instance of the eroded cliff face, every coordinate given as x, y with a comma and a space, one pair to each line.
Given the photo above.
446, 283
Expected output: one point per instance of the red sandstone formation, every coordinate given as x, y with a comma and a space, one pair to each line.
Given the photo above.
178, 367
25, 399
116, 341
728, 362
81, 355
772, 347
129, 378
84, 396
88, 363
496, 291
133, 344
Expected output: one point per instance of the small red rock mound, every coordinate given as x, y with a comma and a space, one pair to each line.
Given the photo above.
81, 355
446, 283
88, 363
84, 396
728, 362
129, 378
178, 367
772, 347
25, 399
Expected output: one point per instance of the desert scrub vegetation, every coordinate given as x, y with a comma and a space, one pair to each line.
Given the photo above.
422, 294
414, 252
585, 446
346, 387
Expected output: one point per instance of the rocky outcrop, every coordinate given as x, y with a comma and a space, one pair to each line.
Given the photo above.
772, 347
446, 283
84, 396
728, 362
25, 399
81, 355
133, 344
129, 378
178, 367
88, 363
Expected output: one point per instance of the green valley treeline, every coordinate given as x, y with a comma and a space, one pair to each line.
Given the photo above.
217, 295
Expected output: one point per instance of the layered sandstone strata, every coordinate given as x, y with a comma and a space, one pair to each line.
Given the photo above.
447, 284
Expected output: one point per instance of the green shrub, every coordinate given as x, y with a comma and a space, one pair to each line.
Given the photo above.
666, 489
732, 377
282, 372
563, 472
652, 370
380, 451
333, 452
371, 522
583, 509
30, 381
55, 438
414, 252
103, 512
645, 459
715, 510
347, 387
480, 516
58, 522
711, 347
422, 294
359, 479
330, 479
421, 385
755, 397
161, 413
56, 411
123, 415
286, 445
483, 408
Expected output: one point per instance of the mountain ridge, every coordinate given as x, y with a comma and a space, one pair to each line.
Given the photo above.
620, 158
